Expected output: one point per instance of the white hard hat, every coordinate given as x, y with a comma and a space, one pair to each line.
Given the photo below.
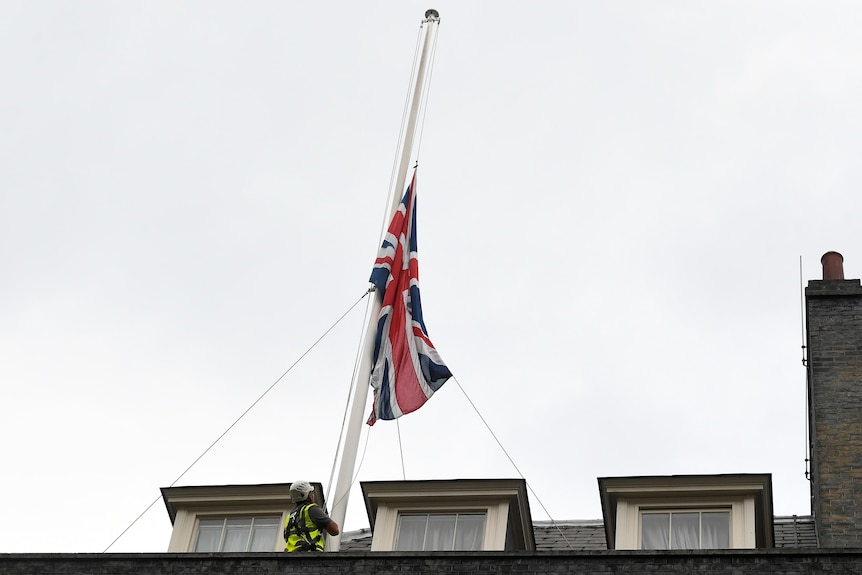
299, 490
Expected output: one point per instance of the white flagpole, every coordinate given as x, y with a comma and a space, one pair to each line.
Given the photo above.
358, 406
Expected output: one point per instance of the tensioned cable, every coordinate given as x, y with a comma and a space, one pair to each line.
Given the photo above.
400, 139
387, 208
401, 450
423, 106
494, 435
358, 468
356, 361
244, 413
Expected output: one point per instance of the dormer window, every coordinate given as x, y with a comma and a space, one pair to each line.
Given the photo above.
454, 515
688, 512
229, 518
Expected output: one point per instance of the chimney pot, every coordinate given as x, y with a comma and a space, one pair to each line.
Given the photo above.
833, 266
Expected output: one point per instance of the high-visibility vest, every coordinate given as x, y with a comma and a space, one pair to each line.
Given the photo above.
300, 532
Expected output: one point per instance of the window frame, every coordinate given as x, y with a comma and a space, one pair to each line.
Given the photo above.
671, 511
508, 524
437, 513
748, 496
225, 518
184, 535
741, 509
186, 505
496, 512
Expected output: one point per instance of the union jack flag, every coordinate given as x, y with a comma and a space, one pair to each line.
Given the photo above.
407, 370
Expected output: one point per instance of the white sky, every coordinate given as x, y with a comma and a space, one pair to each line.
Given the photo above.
613, 201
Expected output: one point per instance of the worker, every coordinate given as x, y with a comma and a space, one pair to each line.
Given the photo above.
306, 522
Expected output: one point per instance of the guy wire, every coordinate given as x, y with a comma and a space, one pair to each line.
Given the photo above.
401, 450
244, 413
509, 457
425, 96
356, 362
399, 140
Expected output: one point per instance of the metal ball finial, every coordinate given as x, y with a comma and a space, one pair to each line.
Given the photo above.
431, 13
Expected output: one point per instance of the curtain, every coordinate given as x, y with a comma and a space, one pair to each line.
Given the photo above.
655, 531
687, 530
469, 532
715, 530
411, 532
236, 535
441, 533
209, 535
263, 534
684, 532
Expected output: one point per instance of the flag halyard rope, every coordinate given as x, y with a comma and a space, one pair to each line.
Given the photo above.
345, 417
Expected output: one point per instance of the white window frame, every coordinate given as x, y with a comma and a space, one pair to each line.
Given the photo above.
186, 524
501, 500
428, 514
742, 535
187, 505
496, 521
279, 523
671, 511
748, 497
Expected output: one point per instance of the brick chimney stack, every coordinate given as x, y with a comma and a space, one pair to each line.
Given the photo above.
834, 321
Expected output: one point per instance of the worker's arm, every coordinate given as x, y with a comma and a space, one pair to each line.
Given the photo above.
323, 521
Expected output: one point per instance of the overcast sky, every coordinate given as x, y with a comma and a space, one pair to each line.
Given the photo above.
613, 201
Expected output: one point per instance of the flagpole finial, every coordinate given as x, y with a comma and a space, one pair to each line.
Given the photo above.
432, 14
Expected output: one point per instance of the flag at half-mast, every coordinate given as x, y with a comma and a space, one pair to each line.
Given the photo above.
406, 370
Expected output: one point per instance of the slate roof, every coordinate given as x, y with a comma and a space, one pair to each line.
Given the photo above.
795, 531
589, 535
570, 535
356, 540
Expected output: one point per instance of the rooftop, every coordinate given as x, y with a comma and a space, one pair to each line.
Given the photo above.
794, 531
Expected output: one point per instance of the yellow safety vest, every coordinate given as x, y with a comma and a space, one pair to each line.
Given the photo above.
300, 532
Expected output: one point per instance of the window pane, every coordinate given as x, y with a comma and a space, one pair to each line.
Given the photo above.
469, 532
441, 533
263, 534
655, 528
715, 530
236, 535
684, 530
209, 535
411, 532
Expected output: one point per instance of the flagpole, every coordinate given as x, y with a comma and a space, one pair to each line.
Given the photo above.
360, 395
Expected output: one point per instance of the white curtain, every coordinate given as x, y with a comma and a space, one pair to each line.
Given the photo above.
715, 530
263, 534
655, 531
411, 532
209, 535
440, 532
684, 533
687, 530
470, 532
236, 535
